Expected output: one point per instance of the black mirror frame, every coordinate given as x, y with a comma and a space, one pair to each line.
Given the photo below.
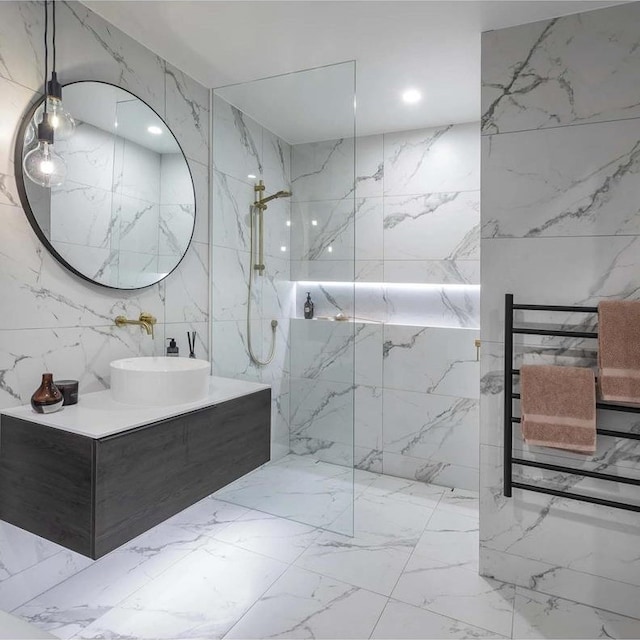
24, 200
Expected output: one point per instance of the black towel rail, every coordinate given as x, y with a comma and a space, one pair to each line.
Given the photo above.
509, 419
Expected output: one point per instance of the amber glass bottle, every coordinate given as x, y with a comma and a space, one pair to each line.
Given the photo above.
47, 397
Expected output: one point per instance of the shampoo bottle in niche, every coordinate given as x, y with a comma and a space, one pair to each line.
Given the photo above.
47, 397
172, 349
308, 307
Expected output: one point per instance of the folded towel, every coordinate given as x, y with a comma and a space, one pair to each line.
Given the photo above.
559, 407
619, 350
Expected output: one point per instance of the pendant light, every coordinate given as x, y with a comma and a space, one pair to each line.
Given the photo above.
43, 165
61, 120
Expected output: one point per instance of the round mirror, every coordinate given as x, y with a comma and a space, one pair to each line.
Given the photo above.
124, 215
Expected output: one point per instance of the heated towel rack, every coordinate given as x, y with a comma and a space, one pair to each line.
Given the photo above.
509, 419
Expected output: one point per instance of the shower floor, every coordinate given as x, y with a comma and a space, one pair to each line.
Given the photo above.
224, 569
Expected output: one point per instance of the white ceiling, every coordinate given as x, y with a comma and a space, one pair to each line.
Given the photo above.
433, 46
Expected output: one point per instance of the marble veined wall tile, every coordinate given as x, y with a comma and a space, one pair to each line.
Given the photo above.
200, 175
21, 51
175, 179
238, 141
430, 471
232, 199
99, 263
187, 297
431, 360
432, 271
321, 415
14, 100
92, 48
435, 226
323, 230
431, 427
568, 271
369, 242
324, 350
323, 170
440, 159
369, 166
187, 111
82, 214
139, 224
90, 156
276, 154
230, 353
574, 69
175, 226
137, 172
568, 181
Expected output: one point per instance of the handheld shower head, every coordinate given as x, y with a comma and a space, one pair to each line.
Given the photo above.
279, 194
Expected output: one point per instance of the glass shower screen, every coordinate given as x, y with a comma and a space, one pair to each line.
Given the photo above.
283, 230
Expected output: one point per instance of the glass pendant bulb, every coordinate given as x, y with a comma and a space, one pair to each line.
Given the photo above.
42, 164
61, 120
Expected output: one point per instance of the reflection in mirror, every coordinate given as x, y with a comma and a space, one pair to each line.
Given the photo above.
125, 214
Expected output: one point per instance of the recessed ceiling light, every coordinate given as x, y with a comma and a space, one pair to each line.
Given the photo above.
156, 131
283, 248
251, 176
411, 96
288, 223
314, 223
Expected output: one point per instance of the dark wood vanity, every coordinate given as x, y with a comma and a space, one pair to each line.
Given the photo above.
93, 494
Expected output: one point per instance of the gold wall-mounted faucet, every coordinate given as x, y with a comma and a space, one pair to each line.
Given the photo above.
146, 321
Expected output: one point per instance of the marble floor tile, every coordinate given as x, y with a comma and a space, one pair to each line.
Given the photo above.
201, 596
462, 501
400, 621
302, 604
537, 615
299, 488
269, 535
451, 590
369, 562
428, 495
12, 628
451, 538
400, 522
72, 605
209, 516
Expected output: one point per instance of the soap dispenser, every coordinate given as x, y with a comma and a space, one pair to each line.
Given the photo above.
172, 349
308, 307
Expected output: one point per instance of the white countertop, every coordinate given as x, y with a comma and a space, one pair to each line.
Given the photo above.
98, 415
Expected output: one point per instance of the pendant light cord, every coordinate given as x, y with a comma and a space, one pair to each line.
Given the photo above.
46, 51
53, 7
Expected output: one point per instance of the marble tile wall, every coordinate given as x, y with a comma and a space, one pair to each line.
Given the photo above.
243, 148
51, 320
560, 132
409, 237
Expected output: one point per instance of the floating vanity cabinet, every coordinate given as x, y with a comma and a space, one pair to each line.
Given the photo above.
93, 494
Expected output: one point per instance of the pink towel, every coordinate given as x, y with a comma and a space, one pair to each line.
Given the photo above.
559, 407
619, 350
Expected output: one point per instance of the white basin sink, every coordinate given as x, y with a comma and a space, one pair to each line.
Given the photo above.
159, 382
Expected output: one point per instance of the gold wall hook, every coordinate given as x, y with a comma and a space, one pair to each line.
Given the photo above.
145, 321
